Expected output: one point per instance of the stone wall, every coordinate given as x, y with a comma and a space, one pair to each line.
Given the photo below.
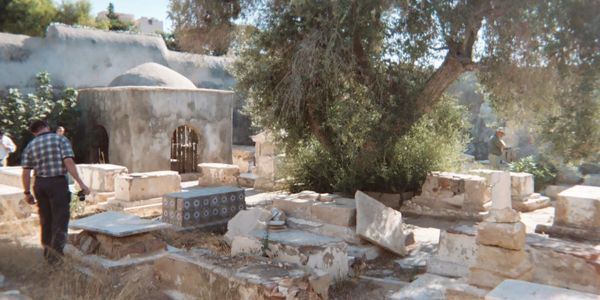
84, 58
141, 120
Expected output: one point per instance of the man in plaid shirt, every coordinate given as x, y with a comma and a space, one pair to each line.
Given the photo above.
51, 157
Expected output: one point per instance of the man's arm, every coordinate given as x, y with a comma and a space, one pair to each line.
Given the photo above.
72, 169
26, 180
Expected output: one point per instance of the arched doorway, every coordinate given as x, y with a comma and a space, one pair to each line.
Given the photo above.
184, 150
99, 145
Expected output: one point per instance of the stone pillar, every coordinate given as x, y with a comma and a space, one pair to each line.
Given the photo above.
499, 187
267, 161
500, 254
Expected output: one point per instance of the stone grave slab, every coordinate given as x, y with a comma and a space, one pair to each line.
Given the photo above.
457, 250
215, 174
11, 176
379, 224
12, 204
579, 207
143, 186
517, 289
117, 224
100, 177
203, 207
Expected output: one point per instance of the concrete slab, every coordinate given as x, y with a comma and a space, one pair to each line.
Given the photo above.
117, 224
379, 224
100, 177
578, 207
142, 186
341, 212
517, 290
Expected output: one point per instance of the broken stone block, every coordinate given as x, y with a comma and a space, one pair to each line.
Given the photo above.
499, 185
247, 221
488, 279
505, 215
215, 174
204, 207
348, 234
518, 289
457, 250
306, 206
522, 184
505, 235
494, 264
144, 186
134, 245
100, 177
116, 224
295, 246
565, 264
379, 224
202, 275
532, 202
578, 207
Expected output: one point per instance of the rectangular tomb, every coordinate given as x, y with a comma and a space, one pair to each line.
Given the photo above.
100, 177
144, 186
203, 207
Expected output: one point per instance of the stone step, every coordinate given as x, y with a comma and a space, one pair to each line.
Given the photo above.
201, 275
534, 202
317, 252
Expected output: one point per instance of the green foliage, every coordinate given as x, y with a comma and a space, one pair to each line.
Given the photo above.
114, 23
19, 110
30, 17
75, 13
204, 26
543, 173
435, 142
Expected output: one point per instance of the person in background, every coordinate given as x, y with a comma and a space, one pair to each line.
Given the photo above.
496, 147
6, 146
51, 157
60, 130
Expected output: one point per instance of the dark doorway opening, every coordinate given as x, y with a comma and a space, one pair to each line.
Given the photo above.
99, 145
184, 150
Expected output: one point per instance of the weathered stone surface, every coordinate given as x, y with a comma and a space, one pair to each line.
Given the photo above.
205, 276
504, 235
565, 264
578, 207
552, 191
12, 204
379, 224
499, 186
11, 176
214, 174
505, 215
307, 206
457, 250
494, 264
142, 186
426, 287
243, 157
517, 289
294, 246
348, 234
247, 221
129, 246
488, 279
100, 177
463, 291
443, 189
533, 202
116, 224
521, 184
578, 234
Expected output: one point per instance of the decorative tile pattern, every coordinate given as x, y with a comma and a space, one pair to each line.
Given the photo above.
203, 206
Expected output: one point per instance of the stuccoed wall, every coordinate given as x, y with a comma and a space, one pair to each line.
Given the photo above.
141, 120
84, 58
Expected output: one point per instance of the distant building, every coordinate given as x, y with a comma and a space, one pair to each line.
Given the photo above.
103, 16
149, 25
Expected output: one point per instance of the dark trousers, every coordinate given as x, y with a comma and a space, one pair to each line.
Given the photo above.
53, 198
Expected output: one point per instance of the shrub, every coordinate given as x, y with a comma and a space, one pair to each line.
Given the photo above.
435, 142
543, 173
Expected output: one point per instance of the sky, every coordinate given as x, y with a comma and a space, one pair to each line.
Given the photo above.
139, 8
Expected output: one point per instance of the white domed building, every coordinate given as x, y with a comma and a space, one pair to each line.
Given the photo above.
152, 118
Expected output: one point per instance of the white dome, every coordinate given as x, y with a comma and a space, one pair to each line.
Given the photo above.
152, 74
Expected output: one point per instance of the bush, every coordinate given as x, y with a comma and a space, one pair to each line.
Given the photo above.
543, 173
435, 142
18, 110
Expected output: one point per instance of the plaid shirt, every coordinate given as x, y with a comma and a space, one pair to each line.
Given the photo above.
45, 154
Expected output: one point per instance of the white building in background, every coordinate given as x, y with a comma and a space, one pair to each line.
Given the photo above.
144, 25
149, 25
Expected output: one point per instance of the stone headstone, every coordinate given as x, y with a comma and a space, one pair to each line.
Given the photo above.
379, 224
144, 186
216, 174
117, 224
100, 177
